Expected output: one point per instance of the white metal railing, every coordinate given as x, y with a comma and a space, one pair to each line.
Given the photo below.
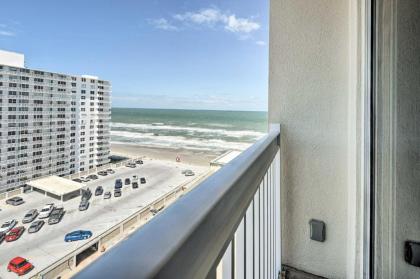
227, 227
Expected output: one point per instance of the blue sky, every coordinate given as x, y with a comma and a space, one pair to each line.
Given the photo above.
157, 53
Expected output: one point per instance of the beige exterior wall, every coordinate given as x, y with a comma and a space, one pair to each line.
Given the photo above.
312, 92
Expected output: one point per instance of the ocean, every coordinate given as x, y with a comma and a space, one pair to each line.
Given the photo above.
200, 130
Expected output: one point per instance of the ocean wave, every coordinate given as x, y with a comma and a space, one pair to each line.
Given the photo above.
149, 139
222, 132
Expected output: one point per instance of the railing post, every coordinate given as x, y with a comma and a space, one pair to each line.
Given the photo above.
277, 200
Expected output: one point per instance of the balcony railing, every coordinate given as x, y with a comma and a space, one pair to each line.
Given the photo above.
227, 227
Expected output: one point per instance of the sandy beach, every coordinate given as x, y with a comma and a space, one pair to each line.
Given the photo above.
191, 157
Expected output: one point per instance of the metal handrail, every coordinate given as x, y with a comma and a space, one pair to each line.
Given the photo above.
189, 238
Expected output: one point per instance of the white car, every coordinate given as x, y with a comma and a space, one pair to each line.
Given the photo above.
135, 178
7, 226
46, 211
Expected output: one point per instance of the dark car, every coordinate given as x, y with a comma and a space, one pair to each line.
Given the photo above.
56, 216
118, 184
84, 205
78, 180
135, 185
15, 201
93, 176
189, 173
127, 181
99, 191
86, 194
77, 235
117, 193
36, 226
140, 162
103, 173
30, 216
142, 180
2, 236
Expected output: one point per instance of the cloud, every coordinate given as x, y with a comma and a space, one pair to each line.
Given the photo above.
241, 25
162, 23
210, 17
5, 30
6, 33
206, 16
261, 43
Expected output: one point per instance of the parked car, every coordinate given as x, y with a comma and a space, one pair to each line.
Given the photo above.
20, 266
84, 179
92, 177
56, 216
189, 173
140, 162
2, 236
135, 177
117, 193
99, 191
86, 194
107, 195
103, 173
78, 180
15, 233
30, 216
110, 171
143, 180
15, 201
118, 184
84, 205
36, 226
127, 181
130, 165
7, 226
135, 185
46, 211
77, 235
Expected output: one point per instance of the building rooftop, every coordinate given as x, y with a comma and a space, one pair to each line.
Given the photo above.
56, 185
12, 59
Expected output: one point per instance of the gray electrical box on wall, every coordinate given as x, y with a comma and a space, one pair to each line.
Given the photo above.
412, 253
317, 229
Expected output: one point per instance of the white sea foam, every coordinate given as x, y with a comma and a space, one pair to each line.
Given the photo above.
149, 139
191, 130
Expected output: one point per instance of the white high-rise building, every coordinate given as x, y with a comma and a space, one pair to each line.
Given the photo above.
50, 123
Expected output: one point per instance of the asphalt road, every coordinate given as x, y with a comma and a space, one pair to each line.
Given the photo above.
47, 245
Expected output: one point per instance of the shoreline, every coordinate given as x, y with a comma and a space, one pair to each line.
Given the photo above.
187, 156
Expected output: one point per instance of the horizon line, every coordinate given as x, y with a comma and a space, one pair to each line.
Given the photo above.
232, 110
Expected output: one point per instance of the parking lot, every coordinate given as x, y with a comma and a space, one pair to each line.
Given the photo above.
47, 246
